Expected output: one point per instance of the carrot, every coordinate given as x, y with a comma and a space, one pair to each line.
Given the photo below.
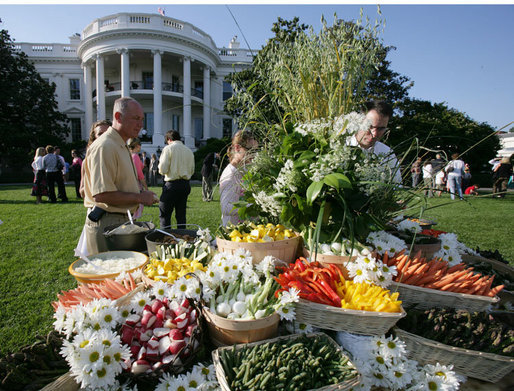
412, 270
415, 277
401, 262
385, 259
448, 287
493, 292
456, 268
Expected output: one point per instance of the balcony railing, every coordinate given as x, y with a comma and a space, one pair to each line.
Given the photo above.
140, 85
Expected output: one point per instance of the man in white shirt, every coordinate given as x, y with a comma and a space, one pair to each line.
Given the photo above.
378, 113
177, 165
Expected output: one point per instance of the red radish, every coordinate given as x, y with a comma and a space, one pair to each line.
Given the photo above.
161, 313
153, 344
142, 353
133, 319
170, 314
168, 358
190, 329
185, 304
192, 316
156, 305
169, 324
158, 323
157, 365
148, 319
165, 301
147, 307
146, 336
181, 321
164, 344
134, 349
140, 366
176, 335
152, 354
161, 332
176, 346
127, 334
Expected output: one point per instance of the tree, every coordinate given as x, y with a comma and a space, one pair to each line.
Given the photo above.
28, 108
423, 128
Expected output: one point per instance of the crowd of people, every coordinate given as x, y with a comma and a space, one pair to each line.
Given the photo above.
114, 176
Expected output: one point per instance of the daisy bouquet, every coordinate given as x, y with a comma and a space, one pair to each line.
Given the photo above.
235, 288
309, 175
383, 362
151, 333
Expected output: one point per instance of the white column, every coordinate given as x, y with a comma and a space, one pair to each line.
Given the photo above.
188, 138
100, 88
88, 99
157, 98
125, 73
206, 103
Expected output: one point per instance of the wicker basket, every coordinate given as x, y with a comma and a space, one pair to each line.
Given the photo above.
425, 298
496, 265
220, 373
427, 250
225, 331
285, 250
338, 260
340, 319
484, 366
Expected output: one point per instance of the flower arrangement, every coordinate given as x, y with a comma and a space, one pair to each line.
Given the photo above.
383, 362
451, 249
103, 340
309, 176
371, 270
383, 241
237, 289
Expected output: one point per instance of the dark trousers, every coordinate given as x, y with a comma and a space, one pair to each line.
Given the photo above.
52, 177
174, 196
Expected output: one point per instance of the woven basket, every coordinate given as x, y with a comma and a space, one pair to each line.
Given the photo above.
484, 366
285, 250
427, 250
496, 265
225, 331
426, 298
338, 260
220, 373
341, 319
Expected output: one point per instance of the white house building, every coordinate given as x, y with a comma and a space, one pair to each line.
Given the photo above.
507, 143
174, 69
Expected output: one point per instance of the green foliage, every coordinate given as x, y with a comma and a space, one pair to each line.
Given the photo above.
300, 75
27, 107
434, 127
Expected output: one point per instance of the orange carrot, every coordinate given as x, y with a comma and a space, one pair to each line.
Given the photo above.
493, 292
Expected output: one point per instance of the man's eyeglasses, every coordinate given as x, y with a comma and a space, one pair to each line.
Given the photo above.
378, 129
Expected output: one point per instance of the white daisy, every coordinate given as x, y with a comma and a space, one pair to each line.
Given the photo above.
160, 290
195, 378
286, 312
60, 318
139, 300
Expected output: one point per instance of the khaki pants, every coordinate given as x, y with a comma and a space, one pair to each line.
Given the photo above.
95, 239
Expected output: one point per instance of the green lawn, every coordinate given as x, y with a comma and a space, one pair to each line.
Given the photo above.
37, 242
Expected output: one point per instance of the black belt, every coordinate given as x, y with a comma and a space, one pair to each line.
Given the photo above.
178, 180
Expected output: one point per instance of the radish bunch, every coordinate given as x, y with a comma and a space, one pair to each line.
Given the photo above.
161, 333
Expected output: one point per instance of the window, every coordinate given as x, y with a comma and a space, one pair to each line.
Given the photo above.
76, 129
198, 128
147, 80
227, 127
227, 90
175, 122
74, 89
198, 90
148, 128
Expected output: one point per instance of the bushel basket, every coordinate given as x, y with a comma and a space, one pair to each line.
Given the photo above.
341, 319
426, 298
343, 386
484, 366
285, 250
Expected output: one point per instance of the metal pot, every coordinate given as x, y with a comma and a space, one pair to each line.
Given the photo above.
156, 238
130, 242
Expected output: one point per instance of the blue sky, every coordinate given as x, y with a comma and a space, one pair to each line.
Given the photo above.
459, 54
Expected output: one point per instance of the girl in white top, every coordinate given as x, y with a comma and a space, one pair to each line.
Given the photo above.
230, 180
427, 178
39, 186
455, 169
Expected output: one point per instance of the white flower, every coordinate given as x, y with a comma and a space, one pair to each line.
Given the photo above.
409, 226
268, 203
160, 290
387, 242
286, 312
139, 301
195, 378
60, 318
204, 235
266, 266
290, 296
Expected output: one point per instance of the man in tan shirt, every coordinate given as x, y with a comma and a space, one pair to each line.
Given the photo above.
110, 180
177, 165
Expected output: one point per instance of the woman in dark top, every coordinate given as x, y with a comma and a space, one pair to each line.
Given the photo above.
503, 172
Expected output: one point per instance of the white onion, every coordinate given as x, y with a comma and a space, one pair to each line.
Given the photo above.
109, 266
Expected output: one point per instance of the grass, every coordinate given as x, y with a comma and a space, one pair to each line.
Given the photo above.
37, 242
